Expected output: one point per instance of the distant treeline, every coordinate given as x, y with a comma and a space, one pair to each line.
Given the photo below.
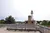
44, 22
11, 20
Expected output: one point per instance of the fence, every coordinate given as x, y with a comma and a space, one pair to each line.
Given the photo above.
43, 29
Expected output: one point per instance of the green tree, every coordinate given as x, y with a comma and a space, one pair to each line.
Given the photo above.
49, 23
2, 21
9, 20
44, 23
39, 22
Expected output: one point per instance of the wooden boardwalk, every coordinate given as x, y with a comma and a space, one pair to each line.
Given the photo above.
27, 27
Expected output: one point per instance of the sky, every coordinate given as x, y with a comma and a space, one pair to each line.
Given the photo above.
20, 9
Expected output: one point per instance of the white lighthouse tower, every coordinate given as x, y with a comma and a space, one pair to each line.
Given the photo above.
31, 14
32, 17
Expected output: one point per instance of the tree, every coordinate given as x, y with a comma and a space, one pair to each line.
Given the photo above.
44, 23
49, 23
2, 21
9, 20
39, 22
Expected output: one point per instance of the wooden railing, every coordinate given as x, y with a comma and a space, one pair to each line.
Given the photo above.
41, 28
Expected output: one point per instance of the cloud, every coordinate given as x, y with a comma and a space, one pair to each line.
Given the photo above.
20, 9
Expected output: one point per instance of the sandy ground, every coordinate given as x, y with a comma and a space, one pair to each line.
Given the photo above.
3, 30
